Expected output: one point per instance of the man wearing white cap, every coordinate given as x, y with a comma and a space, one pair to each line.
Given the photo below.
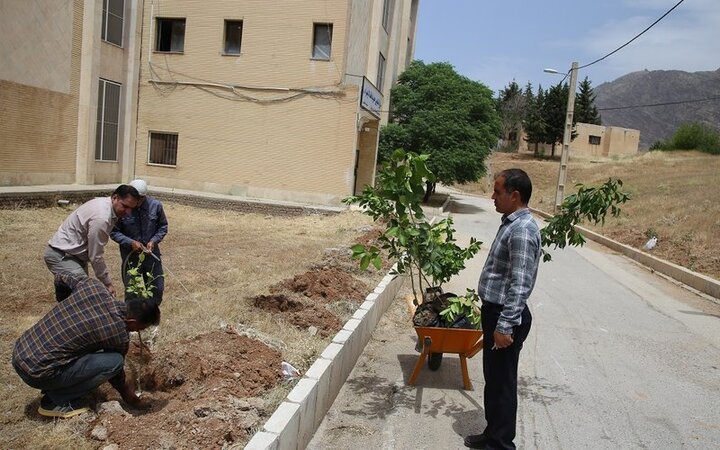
142, 231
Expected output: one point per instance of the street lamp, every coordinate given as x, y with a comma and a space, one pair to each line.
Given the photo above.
567, 135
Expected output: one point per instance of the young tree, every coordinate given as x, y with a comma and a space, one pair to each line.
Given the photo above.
447, 116
585, 110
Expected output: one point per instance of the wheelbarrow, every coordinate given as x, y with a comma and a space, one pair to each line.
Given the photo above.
436, 341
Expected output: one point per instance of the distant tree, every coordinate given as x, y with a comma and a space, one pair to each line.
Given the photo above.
392, 137
533, 120
585, 110
553, 110
511, 106
692, 136
446, 115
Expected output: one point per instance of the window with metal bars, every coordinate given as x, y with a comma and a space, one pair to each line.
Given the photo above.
381, 72
170, 36
163, 148
112, 21
108, 119
233, 37
594, 140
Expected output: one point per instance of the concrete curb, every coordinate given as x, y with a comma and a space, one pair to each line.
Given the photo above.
294, 422
692, 279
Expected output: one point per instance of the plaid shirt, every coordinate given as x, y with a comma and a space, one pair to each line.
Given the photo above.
87, 321
511, 268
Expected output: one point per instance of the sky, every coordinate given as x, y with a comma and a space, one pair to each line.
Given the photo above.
495, 42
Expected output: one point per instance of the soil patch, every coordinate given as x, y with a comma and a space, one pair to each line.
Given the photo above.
277, 303
328, 284
202, 392
325, 321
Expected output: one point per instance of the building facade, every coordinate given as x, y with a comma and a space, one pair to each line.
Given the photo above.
593, 141
277, 100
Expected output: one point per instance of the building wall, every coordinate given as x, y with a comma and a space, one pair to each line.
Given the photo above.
39, 75
614, 141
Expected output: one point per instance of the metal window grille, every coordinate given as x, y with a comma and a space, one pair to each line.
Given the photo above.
108, 119
112, 21
233, 36
322, 40
170, 35
594, 140
163, 148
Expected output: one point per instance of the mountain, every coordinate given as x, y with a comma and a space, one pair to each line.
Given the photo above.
660, 86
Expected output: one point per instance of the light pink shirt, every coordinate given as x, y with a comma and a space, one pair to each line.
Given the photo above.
85, 233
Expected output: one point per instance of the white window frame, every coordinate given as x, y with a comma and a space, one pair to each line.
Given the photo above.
101, 137
106, 15
150, 140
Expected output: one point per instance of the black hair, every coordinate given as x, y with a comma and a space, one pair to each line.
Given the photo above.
517, 180
124, 190
145, 311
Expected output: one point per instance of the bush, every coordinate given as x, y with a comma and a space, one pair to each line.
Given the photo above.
692, 136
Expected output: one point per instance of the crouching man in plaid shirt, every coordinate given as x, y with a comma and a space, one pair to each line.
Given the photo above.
80, 344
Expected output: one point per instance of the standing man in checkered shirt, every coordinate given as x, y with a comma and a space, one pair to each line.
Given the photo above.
506, 282
80, 344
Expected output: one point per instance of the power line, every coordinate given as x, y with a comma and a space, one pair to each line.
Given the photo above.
679, 102
637, 36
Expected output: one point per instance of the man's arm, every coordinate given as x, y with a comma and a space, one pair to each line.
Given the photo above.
162, 224
97, 238
118, 234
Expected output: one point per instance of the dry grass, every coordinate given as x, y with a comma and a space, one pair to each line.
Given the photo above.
673, 195
223, 258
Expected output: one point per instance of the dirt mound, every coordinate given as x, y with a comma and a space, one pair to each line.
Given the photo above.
277, 303
201, 391
326, 284
325, 321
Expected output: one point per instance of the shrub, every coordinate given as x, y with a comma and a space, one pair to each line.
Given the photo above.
692, 136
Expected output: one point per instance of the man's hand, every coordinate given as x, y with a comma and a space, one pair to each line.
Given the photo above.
150, 246
502, 340
111, 289
137, 246
130, 397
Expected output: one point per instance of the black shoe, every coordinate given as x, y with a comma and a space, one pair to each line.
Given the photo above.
476, 441
49, 409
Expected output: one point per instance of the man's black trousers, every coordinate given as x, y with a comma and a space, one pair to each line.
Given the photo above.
500, 368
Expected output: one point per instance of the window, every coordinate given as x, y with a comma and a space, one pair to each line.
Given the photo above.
163, 148
386, 15
170, 35
381, 72
112, 21
322, 40
594, 140
108, 117
233, 37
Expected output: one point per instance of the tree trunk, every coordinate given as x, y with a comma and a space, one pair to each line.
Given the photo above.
552, 153
537, 149
429, 190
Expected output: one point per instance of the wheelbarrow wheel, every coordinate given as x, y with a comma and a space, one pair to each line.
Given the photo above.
434, 361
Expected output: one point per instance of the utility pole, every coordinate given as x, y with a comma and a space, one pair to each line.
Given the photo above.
567, 137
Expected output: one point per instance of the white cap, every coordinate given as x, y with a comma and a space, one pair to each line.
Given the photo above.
141, 186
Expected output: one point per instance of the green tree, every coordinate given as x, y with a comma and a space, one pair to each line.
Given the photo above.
585, 110
511, 105
533, 120
553, 110
445, 115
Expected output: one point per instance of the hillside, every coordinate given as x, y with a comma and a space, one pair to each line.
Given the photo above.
660, 86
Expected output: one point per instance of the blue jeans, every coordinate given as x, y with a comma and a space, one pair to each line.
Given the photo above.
79, 377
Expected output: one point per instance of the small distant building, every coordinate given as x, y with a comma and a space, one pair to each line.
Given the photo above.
593, 141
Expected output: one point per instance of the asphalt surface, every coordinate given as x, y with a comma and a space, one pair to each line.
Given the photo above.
618, 357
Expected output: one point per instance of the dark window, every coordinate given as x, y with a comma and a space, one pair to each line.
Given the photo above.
108, 118
170, 35
233, 36
163, 148
322, 40
112, 21
381, 72
594, 140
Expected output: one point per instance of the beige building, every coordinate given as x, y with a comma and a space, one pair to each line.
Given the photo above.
277, 100
593, 141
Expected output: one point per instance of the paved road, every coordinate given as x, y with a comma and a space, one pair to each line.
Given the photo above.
617, 357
